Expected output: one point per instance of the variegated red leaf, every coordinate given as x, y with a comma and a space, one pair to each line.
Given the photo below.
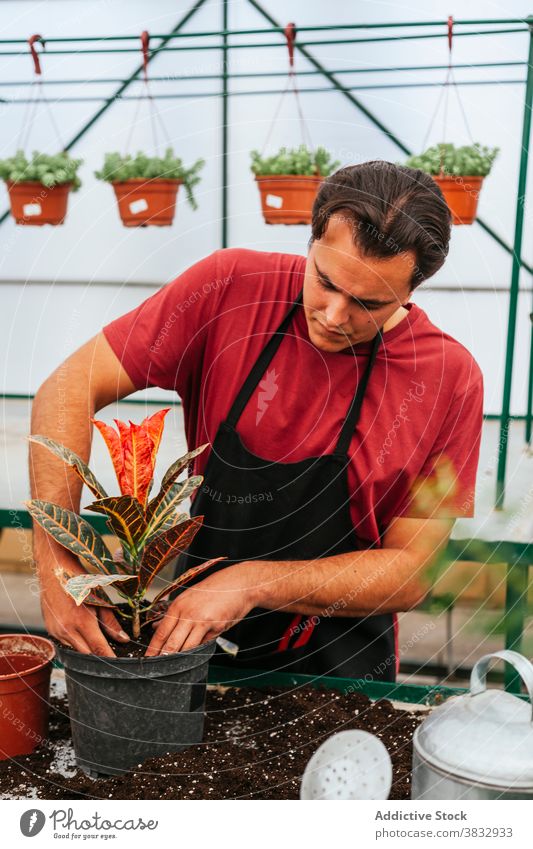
187, 576
165, 546
73, 533
125, 518
129, 588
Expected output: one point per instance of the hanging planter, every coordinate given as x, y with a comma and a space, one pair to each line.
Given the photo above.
128, 708
289, 181
146, 186
459, 172
39, 188
25, 666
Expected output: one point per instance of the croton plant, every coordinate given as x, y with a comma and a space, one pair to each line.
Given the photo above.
151, 531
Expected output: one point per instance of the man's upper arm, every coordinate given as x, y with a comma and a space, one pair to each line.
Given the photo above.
96, 366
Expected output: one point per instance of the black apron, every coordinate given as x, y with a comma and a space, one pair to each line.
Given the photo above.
255, 509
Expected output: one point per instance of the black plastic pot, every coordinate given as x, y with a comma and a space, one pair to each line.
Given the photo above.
125, 710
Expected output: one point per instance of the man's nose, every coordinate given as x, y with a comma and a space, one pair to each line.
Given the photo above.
336, 312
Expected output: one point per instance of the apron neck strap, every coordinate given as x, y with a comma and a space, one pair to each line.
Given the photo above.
354, 412
261, 365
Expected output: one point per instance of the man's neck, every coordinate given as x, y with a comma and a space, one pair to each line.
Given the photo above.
395, 319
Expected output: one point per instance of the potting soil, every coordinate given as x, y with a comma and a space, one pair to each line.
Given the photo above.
256, 746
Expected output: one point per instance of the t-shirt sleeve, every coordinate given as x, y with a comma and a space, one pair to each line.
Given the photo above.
446, 485
161, 342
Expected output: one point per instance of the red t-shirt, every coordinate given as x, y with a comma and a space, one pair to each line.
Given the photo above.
415, 450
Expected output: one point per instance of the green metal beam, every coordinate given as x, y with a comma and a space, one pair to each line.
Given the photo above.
225, 120
529, 407
98, 114
515, 277
255, 93
252, 75
515, 615
267, 44
279, 29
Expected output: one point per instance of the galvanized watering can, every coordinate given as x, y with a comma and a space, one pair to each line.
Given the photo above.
478, 745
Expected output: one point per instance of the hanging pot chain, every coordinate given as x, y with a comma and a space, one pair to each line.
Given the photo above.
155, 115
37, 96
444, 93
290, 35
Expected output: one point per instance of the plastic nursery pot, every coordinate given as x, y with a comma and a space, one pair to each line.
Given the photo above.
124, 710
25, 666
462, 195
288, 198
35, 204
146, 202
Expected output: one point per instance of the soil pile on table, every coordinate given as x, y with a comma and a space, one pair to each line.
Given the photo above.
256, 746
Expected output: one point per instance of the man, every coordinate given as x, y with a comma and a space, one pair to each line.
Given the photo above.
344, 432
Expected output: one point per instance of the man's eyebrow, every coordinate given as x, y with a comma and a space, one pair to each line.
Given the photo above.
374, 302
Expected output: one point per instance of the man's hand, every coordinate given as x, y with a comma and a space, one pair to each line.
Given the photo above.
206, 610
78, 627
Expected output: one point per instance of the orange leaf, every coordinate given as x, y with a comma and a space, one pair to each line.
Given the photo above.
113, 442
138, 468
154, 426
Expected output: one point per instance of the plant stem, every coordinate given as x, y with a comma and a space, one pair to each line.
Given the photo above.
136, 626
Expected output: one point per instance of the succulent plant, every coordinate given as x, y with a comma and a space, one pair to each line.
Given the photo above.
45, 169
151, 531
300, 160
118, 168
467, 161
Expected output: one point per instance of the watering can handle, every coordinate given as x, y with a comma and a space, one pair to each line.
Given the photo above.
478, 678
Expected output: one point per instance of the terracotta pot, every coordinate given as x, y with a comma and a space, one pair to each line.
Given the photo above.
25, 666
146, 202
288, 198
35, 204
461, 194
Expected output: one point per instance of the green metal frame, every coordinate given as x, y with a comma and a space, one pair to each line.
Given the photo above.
519, 557
414, 694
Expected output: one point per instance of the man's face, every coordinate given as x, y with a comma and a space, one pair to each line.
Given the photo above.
348, 297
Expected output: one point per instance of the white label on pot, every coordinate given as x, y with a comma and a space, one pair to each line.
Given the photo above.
138, 205
30, 209
274, 200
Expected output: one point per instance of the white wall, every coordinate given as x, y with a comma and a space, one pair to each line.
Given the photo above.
40, 325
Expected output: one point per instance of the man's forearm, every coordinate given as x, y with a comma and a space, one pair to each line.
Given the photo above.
352, 584
61, 410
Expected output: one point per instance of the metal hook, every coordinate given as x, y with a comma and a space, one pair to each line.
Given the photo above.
35, 56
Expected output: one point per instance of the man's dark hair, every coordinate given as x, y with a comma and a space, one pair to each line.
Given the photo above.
392, 209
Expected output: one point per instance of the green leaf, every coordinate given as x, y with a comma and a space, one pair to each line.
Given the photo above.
117, 168
467, 161
72, 460
300, 160
45, 169
167, 501
73, 533
177, 467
